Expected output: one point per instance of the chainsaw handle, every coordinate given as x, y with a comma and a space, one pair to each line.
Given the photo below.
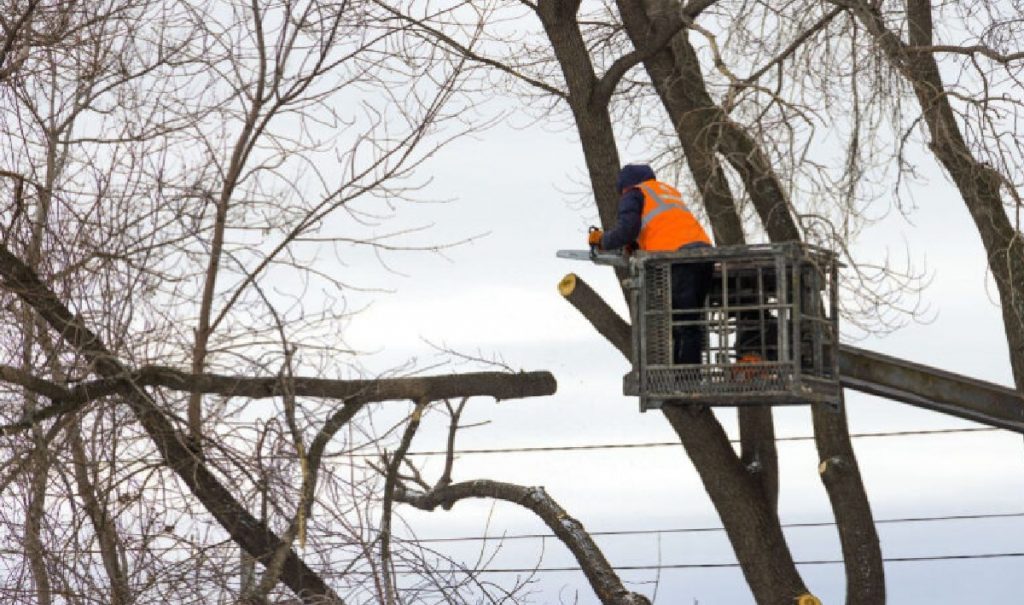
593, 247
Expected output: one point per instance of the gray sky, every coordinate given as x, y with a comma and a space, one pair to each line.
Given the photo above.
514, 193
497, 297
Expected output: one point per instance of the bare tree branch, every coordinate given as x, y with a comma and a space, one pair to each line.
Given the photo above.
599, 572
245, 529
455, 413
787, 52
468, 52
977, 49
390, 483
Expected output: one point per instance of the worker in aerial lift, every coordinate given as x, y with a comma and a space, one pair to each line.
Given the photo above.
653, 217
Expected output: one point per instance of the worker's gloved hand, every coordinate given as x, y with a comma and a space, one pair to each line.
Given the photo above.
594, 238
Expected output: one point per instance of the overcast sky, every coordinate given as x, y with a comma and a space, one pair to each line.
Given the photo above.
513, 191
496, 298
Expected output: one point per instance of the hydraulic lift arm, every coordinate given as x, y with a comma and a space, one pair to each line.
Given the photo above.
931, 388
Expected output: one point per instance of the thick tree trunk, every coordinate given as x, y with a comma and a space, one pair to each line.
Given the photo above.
862, 554
765, 571
677, 77
747, 512
593, 122
675, 73
979, 184
691, 111
597, 137
35, 549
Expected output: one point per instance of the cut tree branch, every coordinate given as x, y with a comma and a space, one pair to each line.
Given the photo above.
605, 320
500, 385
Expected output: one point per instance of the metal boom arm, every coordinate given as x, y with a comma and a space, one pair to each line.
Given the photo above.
931, 388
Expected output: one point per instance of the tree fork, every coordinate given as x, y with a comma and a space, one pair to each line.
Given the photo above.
596, 135
675, 73
750, 520
687, 99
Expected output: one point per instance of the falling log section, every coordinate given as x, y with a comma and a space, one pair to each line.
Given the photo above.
859, 369
604, 319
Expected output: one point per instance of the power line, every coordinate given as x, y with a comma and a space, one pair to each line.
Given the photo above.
719, 528
625, 532
616, 446
657, 444
661, 566
919, 559
354, 453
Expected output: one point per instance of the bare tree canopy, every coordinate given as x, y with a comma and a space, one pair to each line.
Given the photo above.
171, 173
185, 188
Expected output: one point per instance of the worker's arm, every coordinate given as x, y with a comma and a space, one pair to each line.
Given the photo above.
627, 230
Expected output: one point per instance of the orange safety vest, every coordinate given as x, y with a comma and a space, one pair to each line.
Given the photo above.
666, 223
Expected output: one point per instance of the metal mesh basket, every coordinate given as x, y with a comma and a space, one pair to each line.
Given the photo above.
768, 328
658, 310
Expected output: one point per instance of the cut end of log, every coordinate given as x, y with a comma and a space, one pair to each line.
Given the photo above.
567, 285
835, 462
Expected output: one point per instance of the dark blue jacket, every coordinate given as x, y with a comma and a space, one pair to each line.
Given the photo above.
631, 207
